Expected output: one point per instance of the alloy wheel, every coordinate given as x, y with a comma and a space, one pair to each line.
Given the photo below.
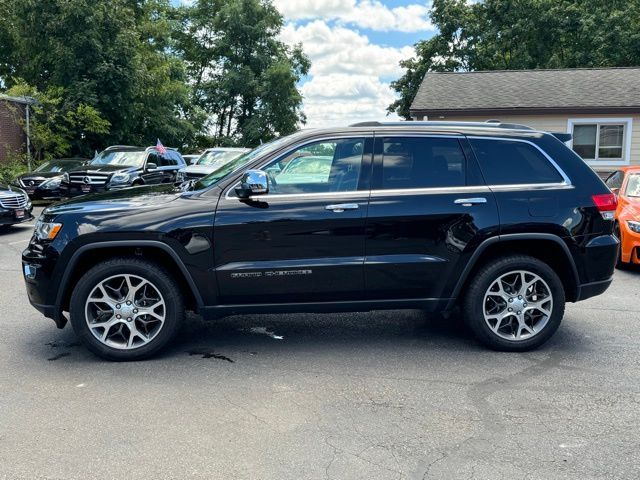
125, 311
518, 305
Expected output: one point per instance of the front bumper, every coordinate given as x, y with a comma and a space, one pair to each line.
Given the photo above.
630, 244
43, 194
9, 217
37, 270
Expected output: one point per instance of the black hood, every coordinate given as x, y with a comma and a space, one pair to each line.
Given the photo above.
39, 175
104, 168
147, 196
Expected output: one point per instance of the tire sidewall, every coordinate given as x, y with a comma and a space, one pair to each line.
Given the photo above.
474, 302
147, 270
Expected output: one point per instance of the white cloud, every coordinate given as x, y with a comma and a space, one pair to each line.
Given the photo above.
371, 14
346, 79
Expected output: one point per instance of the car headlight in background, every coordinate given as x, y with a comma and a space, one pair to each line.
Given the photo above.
120, 178
51, 184
633, 226
180, 176
65, 177
46, 230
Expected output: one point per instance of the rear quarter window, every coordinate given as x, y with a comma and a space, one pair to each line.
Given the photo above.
510, 162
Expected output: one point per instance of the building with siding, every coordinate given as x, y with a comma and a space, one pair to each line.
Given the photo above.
599, 107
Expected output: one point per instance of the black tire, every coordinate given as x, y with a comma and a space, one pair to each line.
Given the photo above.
152, 272
473, 303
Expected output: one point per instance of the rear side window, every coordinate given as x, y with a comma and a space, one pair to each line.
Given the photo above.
422, 162
614, 181
508, 162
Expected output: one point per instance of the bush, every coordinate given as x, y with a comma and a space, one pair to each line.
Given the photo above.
14, 166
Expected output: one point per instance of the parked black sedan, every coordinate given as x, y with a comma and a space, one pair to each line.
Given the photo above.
15, 206
44, 182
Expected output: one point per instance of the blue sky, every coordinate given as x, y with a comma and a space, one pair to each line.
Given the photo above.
354, 47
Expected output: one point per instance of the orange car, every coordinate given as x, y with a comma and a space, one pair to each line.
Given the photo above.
625, 183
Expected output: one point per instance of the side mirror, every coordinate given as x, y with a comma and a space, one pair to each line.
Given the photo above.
152, 166
615, 191
254, 182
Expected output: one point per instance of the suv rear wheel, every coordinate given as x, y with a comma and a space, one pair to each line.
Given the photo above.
126, 309
514, 304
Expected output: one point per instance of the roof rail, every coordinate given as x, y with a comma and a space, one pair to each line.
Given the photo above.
413, 123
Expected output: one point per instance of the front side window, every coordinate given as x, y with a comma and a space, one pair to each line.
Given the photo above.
510, 162
422, 162
319, 167
633, 186
600, 142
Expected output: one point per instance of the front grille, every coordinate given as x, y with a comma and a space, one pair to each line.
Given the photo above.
31, 182
89, 178
13, 200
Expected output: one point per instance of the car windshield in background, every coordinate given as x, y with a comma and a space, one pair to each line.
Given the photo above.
218, 158
126, 158
232, 166
633, 186
56, 166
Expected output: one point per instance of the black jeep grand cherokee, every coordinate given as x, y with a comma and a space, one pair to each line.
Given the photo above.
505, 221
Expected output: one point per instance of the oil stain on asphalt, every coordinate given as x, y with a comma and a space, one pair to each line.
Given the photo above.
207, 354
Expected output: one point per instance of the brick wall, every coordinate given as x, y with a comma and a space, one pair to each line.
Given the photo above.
12, 137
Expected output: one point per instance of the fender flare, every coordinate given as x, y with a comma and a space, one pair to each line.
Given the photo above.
125, 243
511, 237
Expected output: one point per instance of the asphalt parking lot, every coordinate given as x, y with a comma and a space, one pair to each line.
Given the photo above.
365, 396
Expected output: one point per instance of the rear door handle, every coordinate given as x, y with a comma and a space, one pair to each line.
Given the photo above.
467, 202
341, 207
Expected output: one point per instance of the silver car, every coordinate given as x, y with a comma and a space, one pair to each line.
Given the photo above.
210, 161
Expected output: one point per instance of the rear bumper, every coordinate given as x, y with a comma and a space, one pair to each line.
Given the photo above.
588, 290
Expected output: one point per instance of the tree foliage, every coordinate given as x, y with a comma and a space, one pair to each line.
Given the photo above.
522, 34
131, 71
244, 78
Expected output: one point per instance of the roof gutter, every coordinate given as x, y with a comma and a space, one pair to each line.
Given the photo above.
521, 111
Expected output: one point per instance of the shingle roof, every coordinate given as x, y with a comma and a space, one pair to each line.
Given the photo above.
529, 91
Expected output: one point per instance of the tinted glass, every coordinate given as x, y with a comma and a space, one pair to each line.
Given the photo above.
506, 162
326, 166
58, 165
154, 158
113, 157
415, 162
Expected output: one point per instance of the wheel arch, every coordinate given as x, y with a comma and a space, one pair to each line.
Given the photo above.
152, 250
548, 248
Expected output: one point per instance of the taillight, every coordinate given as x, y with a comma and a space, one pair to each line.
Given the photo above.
606, 203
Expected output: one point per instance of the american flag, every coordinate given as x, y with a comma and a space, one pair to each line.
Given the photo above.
160, 147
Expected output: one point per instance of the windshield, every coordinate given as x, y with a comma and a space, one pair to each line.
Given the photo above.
633, 186
128, 158
56, 166
218, 158
239, 162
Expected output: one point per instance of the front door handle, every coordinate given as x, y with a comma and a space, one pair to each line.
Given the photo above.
341, 207
467, 202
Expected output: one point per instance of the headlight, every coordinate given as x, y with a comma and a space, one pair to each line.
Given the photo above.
46, 230
633, 226
180, 176
51, 184
120, 178
65, 177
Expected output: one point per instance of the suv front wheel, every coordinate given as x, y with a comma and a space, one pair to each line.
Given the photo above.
126, 309
515, 303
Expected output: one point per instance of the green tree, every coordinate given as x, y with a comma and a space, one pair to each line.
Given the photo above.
522, 34
243, 77
112, 55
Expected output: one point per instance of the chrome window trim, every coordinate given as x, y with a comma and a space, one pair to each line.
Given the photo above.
566, 179
565, 184
288, 150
